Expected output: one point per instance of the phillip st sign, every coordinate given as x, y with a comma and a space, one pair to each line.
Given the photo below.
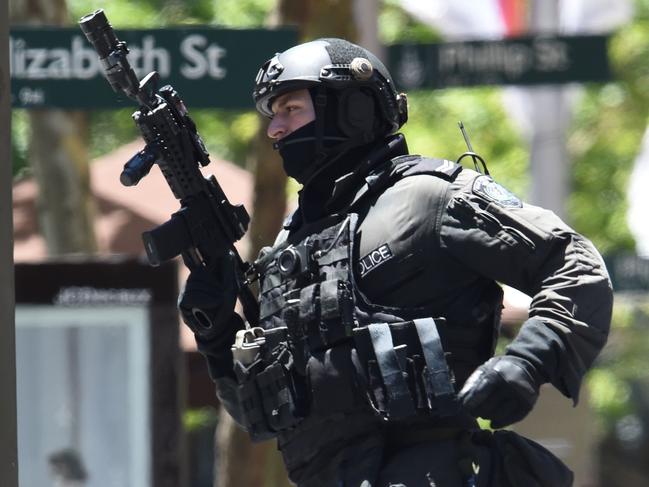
516, 61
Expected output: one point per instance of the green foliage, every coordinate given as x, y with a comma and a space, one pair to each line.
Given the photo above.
243, 13
159, 13
146, 13
432, 130
397, 26
604, 141
109, 129
623, 362
606, 137
228, 134
19, 142
121, 13
609, 395
194, 419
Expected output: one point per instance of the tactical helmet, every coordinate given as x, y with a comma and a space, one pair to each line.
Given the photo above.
368, 104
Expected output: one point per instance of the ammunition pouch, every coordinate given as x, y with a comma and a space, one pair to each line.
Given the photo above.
405, 369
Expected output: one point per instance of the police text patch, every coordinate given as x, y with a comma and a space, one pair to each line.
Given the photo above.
374, 259
489, 189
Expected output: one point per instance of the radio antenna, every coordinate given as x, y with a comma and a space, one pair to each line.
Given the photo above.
471, 152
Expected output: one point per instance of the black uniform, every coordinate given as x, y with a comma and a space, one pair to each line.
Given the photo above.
381, 299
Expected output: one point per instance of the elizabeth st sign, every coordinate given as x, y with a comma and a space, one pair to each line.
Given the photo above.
209, 67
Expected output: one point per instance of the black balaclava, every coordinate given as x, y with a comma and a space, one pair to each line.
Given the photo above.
299, 149
298, 152
316, 194
318, 173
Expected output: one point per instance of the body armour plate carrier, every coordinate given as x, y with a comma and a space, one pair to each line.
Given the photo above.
310, 303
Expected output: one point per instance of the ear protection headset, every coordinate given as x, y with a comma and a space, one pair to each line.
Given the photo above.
356, 112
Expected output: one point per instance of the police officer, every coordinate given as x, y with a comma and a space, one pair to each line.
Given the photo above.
380, 301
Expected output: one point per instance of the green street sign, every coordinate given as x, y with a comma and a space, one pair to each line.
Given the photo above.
515, 61
209, 67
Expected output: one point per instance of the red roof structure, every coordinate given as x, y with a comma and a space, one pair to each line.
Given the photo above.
122, 213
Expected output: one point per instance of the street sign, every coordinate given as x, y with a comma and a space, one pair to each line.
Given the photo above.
209, 67
514, 61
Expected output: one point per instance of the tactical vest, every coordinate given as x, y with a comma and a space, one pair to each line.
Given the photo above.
310, 302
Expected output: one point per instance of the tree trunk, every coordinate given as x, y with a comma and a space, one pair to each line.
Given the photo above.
58, 154
269, 205
240, 463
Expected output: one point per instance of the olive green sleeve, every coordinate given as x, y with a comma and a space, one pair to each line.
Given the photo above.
492, 232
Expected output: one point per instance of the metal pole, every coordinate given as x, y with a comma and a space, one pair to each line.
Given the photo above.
549, 165
8, 434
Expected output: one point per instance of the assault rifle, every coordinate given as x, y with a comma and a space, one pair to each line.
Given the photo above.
205, 228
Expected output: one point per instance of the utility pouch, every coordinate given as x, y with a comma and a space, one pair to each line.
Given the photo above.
278, 401
252, 411
272, 395
326, 313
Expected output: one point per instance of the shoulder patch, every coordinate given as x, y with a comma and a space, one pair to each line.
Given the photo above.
489, 189
439, 167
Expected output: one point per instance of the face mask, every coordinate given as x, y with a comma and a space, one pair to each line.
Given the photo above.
298, 153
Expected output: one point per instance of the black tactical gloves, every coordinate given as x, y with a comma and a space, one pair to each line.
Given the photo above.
206, 305
208, 298
503, 389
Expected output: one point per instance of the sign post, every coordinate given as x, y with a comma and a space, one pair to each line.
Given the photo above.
8, 448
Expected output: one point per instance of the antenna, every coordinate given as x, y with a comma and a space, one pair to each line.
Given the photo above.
470, 152
466, 136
